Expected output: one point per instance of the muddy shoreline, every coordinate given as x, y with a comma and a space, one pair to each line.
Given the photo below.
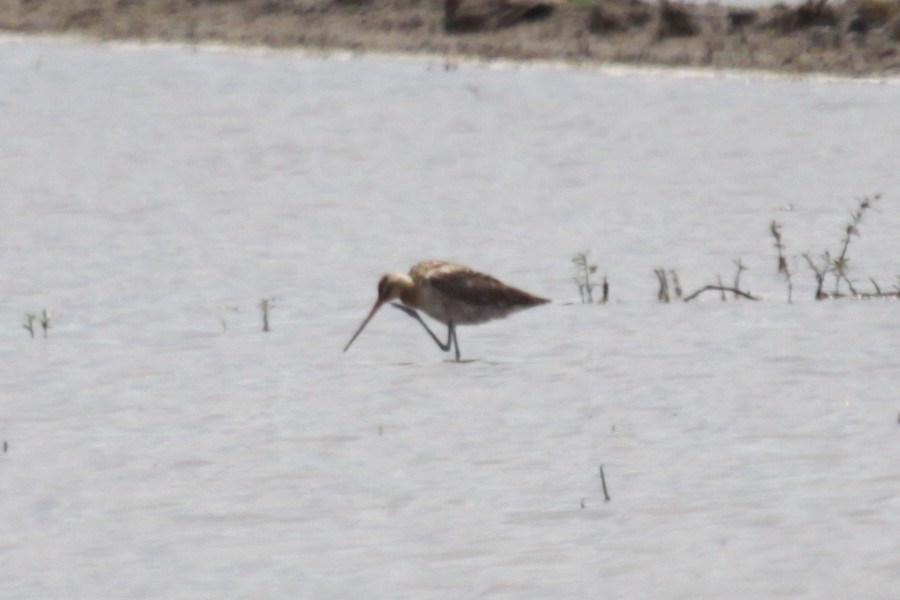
857, 38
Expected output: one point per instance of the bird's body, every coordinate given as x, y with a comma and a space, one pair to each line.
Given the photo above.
452, 294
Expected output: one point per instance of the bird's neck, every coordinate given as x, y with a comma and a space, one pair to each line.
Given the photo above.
409, 293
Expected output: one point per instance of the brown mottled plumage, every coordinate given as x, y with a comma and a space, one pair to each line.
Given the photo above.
449, 293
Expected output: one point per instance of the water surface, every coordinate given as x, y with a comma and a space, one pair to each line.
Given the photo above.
160, 445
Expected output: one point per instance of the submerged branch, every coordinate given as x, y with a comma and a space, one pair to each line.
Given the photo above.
723, 289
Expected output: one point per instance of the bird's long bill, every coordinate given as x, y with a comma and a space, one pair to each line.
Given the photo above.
372, 312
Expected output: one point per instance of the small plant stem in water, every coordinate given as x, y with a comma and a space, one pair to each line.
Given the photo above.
606, 497
29, 323
45, 321
265, 305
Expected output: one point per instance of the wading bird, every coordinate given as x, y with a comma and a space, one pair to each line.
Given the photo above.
452, 294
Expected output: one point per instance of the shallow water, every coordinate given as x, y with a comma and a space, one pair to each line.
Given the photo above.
160, 445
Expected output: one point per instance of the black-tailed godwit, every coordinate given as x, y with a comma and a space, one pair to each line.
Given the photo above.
452, 294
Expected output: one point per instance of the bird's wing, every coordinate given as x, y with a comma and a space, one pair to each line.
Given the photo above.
477, 289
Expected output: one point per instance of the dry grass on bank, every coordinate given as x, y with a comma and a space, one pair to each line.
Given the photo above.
853, 37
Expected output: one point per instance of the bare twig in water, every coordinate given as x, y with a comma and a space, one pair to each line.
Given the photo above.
606, 497
737, 276
879, 293
820, 273
790, 284
875, 285
676, 284
841, 264
663, 294
45, 321
783, 268
29, 323
583, 278
723, 290
265, 305
775, 228
839, 267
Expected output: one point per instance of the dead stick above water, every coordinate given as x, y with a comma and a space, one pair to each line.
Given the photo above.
720, 288
676, 284
606, 497
663, 294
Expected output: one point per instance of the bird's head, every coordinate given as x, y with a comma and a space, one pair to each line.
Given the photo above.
390, 287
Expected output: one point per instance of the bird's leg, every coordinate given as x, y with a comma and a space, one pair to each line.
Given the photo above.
450, 333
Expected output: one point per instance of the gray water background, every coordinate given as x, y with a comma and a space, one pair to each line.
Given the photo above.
160, 445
